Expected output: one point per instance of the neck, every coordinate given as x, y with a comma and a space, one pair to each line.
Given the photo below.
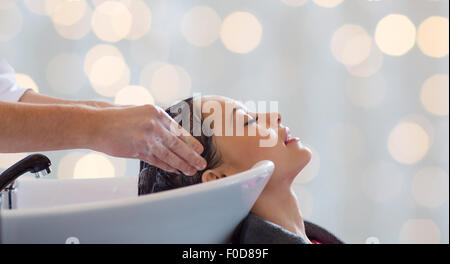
281, 207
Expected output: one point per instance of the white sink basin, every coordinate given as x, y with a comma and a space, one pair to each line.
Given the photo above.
109, 210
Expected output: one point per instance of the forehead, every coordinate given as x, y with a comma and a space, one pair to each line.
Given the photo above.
223, 101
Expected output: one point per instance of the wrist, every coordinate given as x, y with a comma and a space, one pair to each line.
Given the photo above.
95, 128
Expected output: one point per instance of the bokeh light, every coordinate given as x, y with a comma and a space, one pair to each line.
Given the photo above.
106, 69
66, 13
294, 2
168, 83
26, 81
201, 26
141, 18
328, 3
408, 143
366, 92
369, 66
430, 187
65, 73
134, 95
311, 170
94, 165
66, 165
241, 32
79, 29
351, 44
111, 21
419, 231
434, 95
382, 181
37, 6
10, 21
395, 34
432, 36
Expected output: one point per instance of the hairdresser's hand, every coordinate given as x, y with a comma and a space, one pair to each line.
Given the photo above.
144, 132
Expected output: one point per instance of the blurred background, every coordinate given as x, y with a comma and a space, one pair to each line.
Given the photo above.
363, 83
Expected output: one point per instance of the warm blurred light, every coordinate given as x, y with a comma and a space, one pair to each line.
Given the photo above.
94, 166
201, 26
146, 75
96, 53
10, 21
408, 143
9, 159
420, 231
328, 3
294, 2
434, 95
134, 95
111, 21
347, 141
351, 44
311, 170
430, 187
305, 200
395, 34
120, 165
241, 32
64, 73
382, 181
106, 69
142, 18
170, 83
366, 92
432, 36
369, 66
36, 6
65, 12
66, 165
78, 30
26, 81
106, 73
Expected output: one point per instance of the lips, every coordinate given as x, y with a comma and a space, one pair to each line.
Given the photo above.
287, 135
288, 139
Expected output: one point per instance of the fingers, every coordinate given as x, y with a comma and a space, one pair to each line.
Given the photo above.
166, 155
154, 161
184, 135
182, 150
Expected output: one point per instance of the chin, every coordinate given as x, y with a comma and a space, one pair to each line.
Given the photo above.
299, 160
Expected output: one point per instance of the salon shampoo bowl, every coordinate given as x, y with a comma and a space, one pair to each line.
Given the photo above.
109, 210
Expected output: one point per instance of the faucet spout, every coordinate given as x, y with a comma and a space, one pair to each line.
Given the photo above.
36, 163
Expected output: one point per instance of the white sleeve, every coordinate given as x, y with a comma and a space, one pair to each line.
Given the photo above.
10, 90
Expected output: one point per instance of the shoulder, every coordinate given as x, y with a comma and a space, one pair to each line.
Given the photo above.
255, 230
320, 234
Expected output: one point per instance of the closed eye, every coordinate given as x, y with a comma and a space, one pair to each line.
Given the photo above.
251, 121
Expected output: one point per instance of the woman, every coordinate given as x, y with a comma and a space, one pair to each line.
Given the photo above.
275, 216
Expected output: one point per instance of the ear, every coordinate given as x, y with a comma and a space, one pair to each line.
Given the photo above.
211, 175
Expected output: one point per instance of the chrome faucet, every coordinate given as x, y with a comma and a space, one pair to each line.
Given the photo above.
37, 164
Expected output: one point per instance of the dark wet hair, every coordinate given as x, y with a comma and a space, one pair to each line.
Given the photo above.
153, 179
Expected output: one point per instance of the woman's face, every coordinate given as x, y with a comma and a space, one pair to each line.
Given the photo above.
260, 140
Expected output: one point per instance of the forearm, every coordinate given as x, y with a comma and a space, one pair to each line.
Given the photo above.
32, 97
34, 127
